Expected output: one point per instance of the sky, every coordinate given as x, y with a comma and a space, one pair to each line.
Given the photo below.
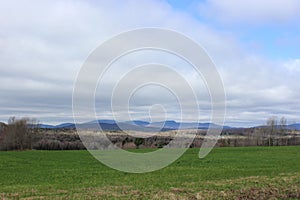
255, 46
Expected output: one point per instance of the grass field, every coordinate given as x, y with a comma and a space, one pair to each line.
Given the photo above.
226, 173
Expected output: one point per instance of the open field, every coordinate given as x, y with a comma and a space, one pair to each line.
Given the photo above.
226, 173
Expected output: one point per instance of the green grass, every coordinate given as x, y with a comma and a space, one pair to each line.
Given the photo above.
224, 173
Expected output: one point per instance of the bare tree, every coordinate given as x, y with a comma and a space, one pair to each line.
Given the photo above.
18, 134
283, 123
271, 129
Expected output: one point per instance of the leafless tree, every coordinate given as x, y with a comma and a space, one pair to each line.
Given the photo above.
18, 134
271, 129
283, 123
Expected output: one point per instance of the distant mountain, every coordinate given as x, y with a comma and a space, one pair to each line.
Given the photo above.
60, 126
294, 126
136, 125
139, 125
170, 124
105, 121
94, 126
45, 126
65, 125
119, 126
187, 125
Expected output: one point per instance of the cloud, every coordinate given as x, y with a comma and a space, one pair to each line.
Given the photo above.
292, 65
44, 44
257, 88
252, 11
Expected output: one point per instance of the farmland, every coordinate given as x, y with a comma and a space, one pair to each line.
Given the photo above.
226, 173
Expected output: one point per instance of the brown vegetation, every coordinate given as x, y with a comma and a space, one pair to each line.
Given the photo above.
25, 134
18, 134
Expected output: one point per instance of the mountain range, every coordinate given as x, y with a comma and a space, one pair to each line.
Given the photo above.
139, 125
135, 125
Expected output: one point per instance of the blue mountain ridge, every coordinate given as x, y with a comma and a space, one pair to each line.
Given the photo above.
135, 125
139, 125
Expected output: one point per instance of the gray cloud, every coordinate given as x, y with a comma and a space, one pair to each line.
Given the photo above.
44, 44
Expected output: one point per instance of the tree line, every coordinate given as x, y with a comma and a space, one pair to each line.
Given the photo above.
18, 134
25, 134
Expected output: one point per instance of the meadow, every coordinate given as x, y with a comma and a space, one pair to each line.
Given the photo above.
226, 173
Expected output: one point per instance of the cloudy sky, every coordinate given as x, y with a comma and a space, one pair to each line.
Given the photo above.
255, 46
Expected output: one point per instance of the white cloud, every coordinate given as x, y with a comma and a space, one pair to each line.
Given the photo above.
252, 11
293, 65
43, 45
